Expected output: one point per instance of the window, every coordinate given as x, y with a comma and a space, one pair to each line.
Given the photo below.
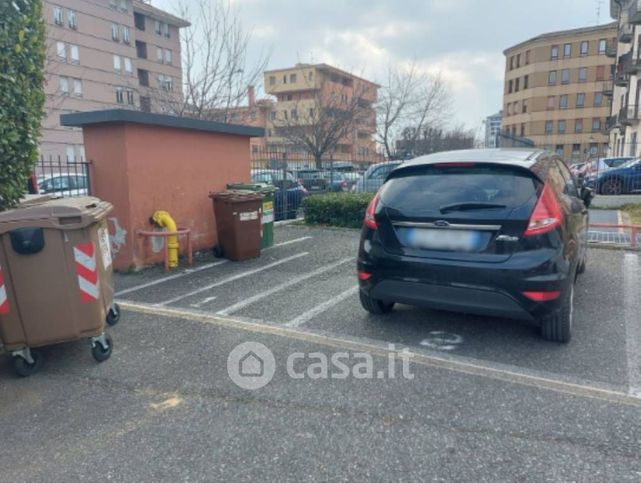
583, 74
576, 150
594, 149
603, 46
117, 65
580, 100
115, 32
554, 52
563, 101
548, 127
518, 61
585, 47
311, 76
598, 99
522, 130
596, 124
165, 82
294, 114
130, 97
526, 81
578, 126
509, 90
272, 115
285, 115
159, 55
128, 67
285, 79
516, 84
311, 112
72, 21
292, 78
58, 18
113, 4
168, 56
272, 80
515, 107
551, 102
567, 50
75, 54
125, 34
145, 104
141, 49
120, 99
511, 63
509, 109
77, 87
139, 21
552, 77
158, 27
600, 73
63, 85
61, 51
565, 76
165, 30
123, 5
559, 150
561, 127
143, 77
71, 157
524, 107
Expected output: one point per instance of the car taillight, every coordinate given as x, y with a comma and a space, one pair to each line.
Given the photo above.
364, 276
542, 296
547, 214
370, 219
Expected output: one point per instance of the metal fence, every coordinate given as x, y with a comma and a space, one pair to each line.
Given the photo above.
60, 176
297, 174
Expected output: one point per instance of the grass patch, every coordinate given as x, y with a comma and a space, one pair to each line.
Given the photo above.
634, 210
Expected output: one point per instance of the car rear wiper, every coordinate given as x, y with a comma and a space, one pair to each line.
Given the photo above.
473, 205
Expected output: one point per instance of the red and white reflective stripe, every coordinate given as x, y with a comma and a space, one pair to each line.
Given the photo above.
85, 257
4, 302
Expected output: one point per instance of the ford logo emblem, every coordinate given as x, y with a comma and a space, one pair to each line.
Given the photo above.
441, 223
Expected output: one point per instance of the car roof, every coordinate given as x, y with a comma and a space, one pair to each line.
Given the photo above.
522, 157
57, 175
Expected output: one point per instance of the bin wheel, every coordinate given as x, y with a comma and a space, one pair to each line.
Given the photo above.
113, 316
100, 353
25, 369
218, 251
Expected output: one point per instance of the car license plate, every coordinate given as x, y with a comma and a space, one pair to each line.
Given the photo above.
453, 240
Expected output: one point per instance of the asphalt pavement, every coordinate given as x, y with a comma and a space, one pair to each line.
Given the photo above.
489, 400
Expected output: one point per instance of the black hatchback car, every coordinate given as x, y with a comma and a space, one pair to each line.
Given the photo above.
491, 232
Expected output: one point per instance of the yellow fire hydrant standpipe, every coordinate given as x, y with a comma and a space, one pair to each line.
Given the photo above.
164, 220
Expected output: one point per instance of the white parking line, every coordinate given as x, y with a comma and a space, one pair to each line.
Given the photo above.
203, 302
294, 281
231, 279
289, 242
319, 309
184, 273
631, 281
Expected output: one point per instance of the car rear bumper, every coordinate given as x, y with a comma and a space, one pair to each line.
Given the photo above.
489, 289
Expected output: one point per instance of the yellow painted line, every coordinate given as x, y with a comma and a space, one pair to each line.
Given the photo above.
511, 375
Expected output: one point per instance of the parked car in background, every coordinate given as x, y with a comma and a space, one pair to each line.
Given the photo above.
313, 180
374, 177
595, 167
336, 181
488, 232
352, 178
63, 184
617, 181
289, 195
575, 168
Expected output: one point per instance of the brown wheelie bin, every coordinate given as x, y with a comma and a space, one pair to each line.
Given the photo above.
55, 278
238, 221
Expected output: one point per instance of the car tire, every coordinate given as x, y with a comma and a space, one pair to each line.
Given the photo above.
612, 187
583, 264
375, 306
557, 326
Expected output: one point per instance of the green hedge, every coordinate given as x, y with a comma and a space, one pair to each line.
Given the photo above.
337, 209
22, 55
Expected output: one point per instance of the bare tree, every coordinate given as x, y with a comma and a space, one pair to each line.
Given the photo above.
433, 140
320, 122
409, 99
216, 67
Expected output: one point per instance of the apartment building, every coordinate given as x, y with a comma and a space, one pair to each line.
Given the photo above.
492, 129
625, 133
104, 54
558, 90
304, 88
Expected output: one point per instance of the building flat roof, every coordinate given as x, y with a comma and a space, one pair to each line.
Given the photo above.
80, 119
321, 66
564, 33
151, 11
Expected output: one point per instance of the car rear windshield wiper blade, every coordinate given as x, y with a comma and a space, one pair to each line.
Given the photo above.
474, 205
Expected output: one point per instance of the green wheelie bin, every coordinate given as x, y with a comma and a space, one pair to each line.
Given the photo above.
267, 190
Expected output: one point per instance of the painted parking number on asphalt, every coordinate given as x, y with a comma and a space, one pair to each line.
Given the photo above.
442, 341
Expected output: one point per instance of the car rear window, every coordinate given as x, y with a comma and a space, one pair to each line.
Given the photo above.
426, 190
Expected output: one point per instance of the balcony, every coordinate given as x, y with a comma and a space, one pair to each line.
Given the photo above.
622, 79
633, 66
607, 88
629, 115
626, 33
634, 12
611, 50
610, 123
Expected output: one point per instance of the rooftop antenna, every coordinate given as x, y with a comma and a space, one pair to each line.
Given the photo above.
598, 11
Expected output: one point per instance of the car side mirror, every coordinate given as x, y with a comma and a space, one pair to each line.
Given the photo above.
587, 195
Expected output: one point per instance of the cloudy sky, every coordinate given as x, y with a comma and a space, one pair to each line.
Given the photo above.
461, 39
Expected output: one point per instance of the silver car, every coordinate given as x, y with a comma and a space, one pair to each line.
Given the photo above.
374, 177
